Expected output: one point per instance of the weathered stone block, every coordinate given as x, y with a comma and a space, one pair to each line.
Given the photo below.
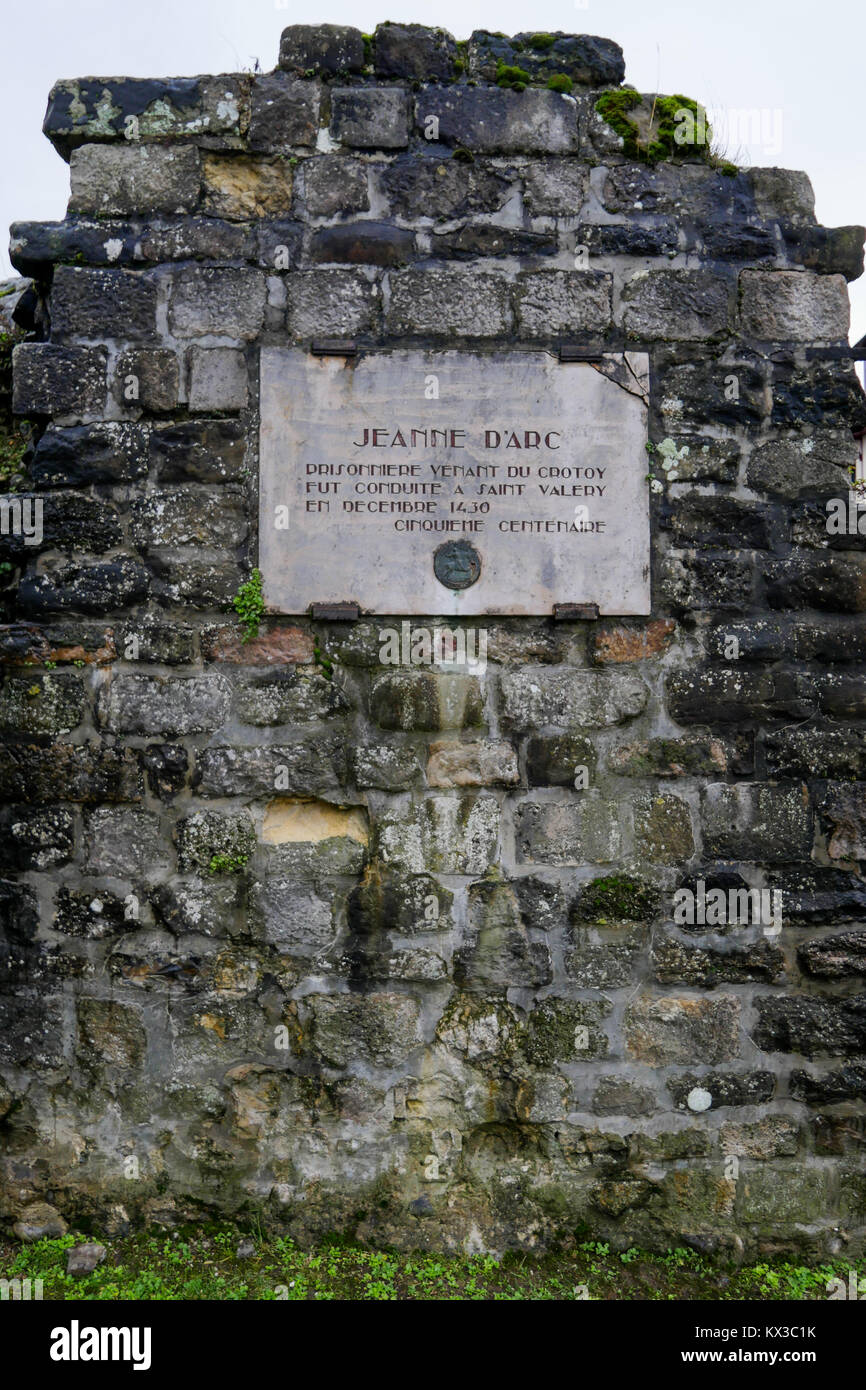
831, 582
110, 1034
500, 953
779, 305
663, 829
423, 188
289, 698
102, 588
443, 303
52, 380
416, 51
370, 118
91, 915
383, 903
801, 467
283, 112
115, 180
331, 303
291, 916
52, 704
676, 962
160, 705
834, 957
555, 187
327, 48
386, 767
675, 304
698, 755
613, 643
426, 702
207, 451
484, 239
564, 1030
122, 842
206, 109
772, 823
534, 697
70, 772
579, 832
811, 1026
843, 807
187, 516
559, 760
720, 523
217, 379
362, 243
482, 764
786, 194
301, 769
328, 185
102, 304
530, 122
242, 188
206, 835
674, 1031
149, 378
562, 301
107, 452
228, 301
278, 645
712, 1090
611, 962
381, 1029
587, 60
443, 834
35, 840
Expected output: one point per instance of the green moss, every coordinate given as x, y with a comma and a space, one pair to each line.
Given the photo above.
249, 605
514, 78
463, 156
368, 49
228, 863
542, 42
560, 82
325, 662
613, 107
666, 121
617, 898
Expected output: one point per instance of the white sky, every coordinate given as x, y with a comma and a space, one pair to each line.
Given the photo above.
797, 62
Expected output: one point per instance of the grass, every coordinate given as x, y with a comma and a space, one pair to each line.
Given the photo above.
164, 1268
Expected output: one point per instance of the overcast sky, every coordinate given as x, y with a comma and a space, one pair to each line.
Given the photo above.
800, 67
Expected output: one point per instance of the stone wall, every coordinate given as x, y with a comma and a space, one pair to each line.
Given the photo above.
292, 931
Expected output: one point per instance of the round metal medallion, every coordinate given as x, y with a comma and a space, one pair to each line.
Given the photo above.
456, 564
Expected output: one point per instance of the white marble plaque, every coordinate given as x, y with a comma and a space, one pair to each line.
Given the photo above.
454, 483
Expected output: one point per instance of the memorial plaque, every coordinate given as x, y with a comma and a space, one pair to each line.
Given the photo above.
458, 483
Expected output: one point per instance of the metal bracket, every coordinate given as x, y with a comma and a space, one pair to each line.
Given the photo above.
335, 612
572, 612
571, 352
333, 347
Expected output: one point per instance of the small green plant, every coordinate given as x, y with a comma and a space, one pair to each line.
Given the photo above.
560, 82
541, 42
249, 605
228, 863
324, 661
